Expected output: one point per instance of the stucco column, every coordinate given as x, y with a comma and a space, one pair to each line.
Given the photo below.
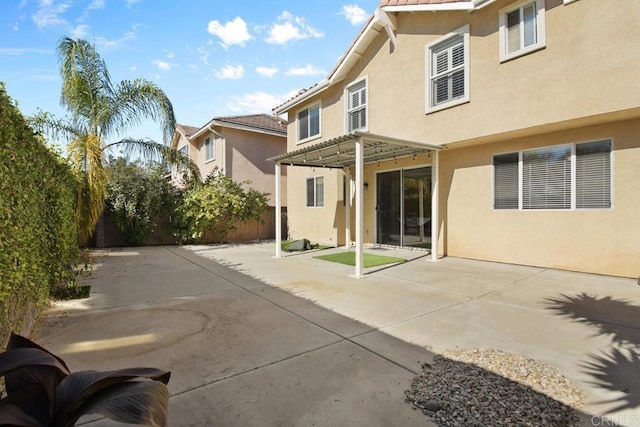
359, 208
278, 212
434, 205
347, 207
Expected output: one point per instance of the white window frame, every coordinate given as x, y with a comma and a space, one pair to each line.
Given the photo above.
429, 51
317, 202
347, 105
317, 106
573, 182
182, 169
541, 39
209, 144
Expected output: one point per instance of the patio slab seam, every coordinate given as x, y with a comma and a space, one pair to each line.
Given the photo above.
345, 338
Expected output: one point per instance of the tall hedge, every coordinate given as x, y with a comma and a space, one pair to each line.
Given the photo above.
38, 241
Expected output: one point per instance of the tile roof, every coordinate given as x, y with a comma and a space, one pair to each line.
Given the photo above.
384, 3
187, 130
260, 121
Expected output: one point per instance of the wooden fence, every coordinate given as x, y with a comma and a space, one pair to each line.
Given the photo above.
107, 233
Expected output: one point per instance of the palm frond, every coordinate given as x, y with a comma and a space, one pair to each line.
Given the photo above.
48, 124
150, 150
137, 100
86, 84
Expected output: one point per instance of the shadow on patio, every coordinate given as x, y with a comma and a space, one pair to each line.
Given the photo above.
618, 319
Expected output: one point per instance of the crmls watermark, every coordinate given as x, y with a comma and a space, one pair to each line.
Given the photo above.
615, 420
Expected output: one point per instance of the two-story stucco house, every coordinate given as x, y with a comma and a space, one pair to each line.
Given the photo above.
499, 130
238, 146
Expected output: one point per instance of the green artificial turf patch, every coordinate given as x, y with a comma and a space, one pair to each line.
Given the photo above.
369, 260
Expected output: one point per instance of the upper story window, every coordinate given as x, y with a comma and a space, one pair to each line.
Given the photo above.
562, 177
522, 29
448, 70
357, 106
184, 150
309, 123
209, 149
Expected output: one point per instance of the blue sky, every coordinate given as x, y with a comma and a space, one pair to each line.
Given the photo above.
213, 58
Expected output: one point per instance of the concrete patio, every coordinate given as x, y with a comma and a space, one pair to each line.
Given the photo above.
253, 340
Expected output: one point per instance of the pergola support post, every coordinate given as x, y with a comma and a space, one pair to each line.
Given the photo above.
278, 211
347, 208
359, 199
435, 184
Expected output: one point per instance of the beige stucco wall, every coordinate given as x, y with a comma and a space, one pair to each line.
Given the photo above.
318, 224
599, 241
581, 86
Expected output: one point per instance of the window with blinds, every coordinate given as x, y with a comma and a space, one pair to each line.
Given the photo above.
448, 70
546, 178
505, 181
593, 175
563, 177
309, 123
357, 106
521, 28
447, 73
315, 191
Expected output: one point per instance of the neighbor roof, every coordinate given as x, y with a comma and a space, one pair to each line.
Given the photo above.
186, 130
260, 121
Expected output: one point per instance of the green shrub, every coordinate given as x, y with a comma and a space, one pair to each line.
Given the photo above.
38, 240
137, 195
217, 206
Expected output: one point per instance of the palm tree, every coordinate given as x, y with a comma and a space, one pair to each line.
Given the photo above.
99, 111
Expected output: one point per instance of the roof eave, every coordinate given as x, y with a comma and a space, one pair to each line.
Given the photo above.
301, 98
370, 31
439, 7
220, 123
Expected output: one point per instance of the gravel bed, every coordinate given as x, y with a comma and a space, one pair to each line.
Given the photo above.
488, 387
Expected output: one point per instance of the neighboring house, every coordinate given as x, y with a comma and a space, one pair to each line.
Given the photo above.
238, 146
496, 130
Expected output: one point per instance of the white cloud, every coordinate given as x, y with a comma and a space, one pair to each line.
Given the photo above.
257, 102
130, 3
266, 71
354, 14
230, 72
163, 65
204, 55
49, 13
233, 32
116, 43
308, 70
80, 31
15, 27
170, 55
96, 4
290, 27
133, 68
14, 51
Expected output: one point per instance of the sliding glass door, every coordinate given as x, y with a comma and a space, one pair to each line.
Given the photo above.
403, 209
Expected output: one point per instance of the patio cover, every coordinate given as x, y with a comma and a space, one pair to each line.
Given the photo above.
356, 149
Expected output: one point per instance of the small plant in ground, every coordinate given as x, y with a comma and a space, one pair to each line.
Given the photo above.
40, 390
